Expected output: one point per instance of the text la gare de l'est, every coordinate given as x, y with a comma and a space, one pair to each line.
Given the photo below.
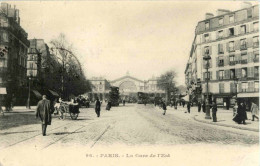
134, 155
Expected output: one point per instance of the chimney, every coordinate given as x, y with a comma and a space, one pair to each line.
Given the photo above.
208, 15
222, 11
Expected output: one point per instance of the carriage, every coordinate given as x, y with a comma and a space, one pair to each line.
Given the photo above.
66, 108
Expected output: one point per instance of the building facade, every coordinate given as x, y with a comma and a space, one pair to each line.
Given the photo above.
128, 87
13, 53
231, 39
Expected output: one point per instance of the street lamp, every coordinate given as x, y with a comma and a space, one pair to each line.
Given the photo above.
29, 94
236, 82
207, 58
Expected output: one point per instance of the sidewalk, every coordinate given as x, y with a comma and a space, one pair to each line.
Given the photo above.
224, 118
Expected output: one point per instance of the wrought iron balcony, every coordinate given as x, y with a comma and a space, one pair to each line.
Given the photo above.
232, 63
220, 64
256, 60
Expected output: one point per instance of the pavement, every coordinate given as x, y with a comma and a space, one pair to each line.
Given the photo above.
224, 117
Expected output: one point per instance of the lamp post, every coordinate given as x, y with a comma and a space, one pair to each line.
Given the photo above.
236, 82
29, 94
207, 58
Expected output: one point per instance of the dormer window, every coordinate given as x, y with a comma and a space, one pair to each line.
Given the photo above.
231, 18
220, 21
207, 25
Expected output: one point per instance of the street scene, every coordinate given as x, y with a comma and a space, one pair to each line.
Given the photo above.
129, 83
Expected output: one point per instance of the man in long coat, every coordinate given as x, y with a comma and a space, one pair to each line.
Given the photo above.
214, 111
97, 107
254, 111
44, 111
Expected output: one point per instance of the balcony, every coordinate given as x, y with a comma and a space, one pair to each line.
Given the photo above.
232, 63
244, 61
220, 64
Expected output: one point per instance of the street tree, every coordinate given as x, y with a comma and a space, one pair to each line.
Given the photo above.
167, 82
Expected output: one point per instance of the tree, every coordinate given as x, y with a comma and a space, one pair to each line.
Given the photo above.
67, 68
166, 82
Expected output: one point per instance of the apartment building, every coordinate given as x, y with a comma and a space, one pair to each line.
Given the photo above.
13, 53
231, 39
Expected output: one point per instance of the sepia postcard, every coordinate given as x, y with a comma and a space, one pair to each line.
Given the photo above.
131, 83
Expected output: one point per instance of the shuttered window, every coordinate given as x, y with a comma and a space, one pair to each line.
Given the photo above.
221, 88
256, 71
221, 75
220, 49
251, 87
227, 74
231, 46
256, 86
250, 71
238, 73
244, 86
256, 41
256, 26
243, 44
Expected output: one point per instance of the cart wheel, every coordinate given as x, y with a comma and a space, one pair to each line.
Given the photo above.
74, 116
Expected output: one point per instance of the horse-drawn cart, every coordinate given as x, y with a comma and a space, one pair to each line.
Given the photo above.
68, 108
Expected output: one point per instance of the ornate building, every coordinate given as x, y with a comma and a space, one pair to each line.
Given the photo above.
231, 39
128, 86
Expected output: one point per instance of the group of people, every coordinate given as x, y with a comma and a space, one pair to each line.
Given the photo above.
240, 115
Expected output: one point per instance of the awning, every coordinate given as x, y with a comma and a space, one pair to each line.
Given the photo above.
54, 93
240, 95
3, 91
37, 94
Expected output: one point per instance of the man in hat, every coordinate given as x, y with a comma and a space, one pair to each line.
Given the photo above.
44, 111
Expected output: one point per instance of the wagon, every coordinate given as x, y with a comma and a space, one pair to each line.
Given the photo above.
68, 108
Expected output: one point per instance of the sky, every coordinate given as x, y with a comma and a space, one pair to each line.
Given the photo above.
111, 38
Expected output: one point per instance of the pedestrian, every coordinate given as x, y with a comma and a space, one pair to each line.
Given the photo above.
176, 104
183, 103
235, 109
214, 111
123, 102
204, 107
97, 107
108, 105
241, 114
188, 106
44, 111
254, 111
199, 106
164, 106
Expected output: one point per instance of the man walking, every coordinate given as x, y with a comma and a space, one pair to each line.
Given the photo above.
254, 111
214, 111
199, 106
188, 106
164, 107
44, 111
97, 107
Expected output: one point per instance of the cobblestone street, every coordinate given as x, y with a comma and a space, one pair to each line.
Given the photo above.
130, 126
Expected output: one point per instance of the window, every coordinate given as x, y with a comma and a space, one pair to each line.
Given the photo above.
231, 46
31, 65
231, 58
243, 58
256, 27
243, 29
256, 68
206, 25
255, 41
220, 34
221, 61
207, 76
243, 44
220, 49
206, 37
221, 74
244, 72
256, 56
221, 88
232, 73
206, 50
220, 21
256, 86
244, 86
231, 18
231, 32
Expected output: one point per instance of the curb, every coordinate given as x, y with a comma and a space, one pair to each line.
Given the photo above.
225, 125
